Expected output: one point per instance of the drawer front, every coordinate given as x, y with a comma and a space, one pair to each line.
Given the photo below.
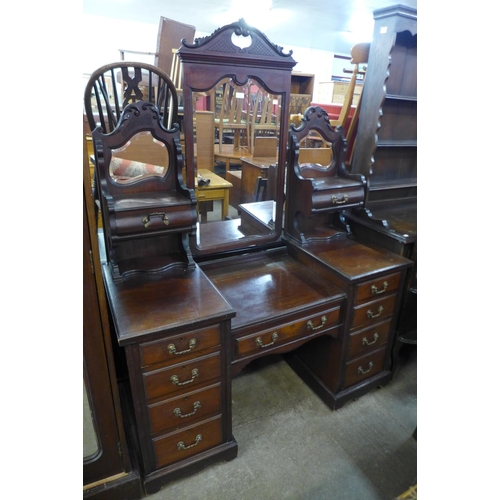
187, 442
373, 312
152, 220
183, 410
183, 376
268, 339
337, 198
369, 339
362, 368
377, 288
179, 347
211, 194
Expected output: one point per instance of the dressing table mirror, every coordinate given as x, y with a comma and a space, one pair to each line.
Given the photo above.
236, 91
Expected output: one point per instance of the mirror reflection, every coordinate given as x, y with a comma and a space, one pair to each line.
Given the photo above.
90, 443
315, 151
142, 156
236, 136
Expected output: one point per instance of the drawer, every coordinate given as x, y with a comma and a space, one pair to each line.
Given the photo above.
362, 368
273, 337
153, 220
182, 376
187, 442
373, 312
211, 194
179, 347
376, 288
337, 197
183, 410
369, 339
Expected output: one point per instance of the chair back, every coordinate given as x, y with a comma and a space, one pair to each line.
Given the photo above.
111, 87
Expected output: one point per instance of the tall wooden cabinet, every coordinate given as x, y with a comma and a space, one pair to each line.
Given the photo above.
386, 147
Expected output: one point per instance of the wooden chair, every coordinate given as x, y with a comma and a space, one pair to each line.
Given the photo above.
111, 87
265, 118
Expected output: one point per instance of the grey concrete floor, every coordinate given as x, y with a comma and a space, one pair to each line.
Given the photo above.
292, 446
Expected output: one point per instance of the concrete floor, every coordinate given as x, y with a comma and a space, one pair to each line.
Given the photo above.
292, 446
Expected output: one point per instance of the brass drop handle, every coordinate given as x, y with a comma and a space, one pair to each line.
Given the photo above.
274, 338
175, 379
335, 201
370, 314
311, 326
173, 350
376, 291
196, 407
365, 340
182, 446
370, 366
147, 220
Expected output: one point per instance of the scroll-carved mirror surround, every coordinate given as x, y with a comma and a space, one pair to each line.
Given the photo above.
205, 63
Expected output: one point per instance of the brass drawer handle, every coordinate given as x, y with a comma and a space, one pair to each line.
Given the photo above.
274, 338
370, 314
147, 220
335, 201
365, 340
311, 326
370, 366
182, 446
376, 291
175, 379
196, 407
173, 350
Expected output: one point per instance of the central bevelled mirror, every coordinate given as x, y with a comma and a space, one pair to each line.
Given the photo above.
236, 87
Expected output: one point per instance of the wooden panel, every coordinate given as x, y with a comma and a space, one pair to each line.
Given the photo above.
373, 312
190, 374
193, 342
195, 439
374, 288
364, 367
184, 409
369, 339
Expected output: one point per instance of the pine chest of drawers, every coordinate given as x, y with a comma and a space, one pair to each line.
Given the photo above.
359, 359
175, 331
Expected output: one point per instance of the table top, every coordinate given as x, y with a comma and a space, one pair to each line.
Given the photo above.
216, 182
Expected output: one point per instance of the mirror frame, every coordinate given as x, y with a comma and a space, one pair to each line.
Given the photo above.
205, 63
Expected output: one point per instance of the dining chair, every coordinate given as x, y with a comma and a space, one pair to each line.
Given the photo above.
265, 117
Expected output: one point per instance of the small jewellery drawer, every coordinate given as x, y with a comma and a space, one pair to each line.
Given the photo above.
369, 339
328, 199
150, 220
188, 441
183, 410
273, 337
373, 312
375, 289
180, 347
182, 376
364, 367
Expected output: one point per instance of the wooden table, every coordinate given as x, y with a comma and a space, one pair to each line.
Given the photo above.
229, 154
218, 189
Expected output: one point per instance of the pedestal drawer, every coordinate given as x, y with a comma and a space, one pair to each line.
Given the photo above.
376, 288
188, 441
179, 347
183, 376
369, 339
364, 367
373, 312
273, 337
183, 410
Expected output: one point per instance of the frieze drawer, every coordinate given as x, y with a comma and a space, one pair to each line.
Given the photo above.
362, 368
188, 441
180, 347
326, 198
185, 409
182, 376
369, 339
373, 312
376, 288
275, 337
